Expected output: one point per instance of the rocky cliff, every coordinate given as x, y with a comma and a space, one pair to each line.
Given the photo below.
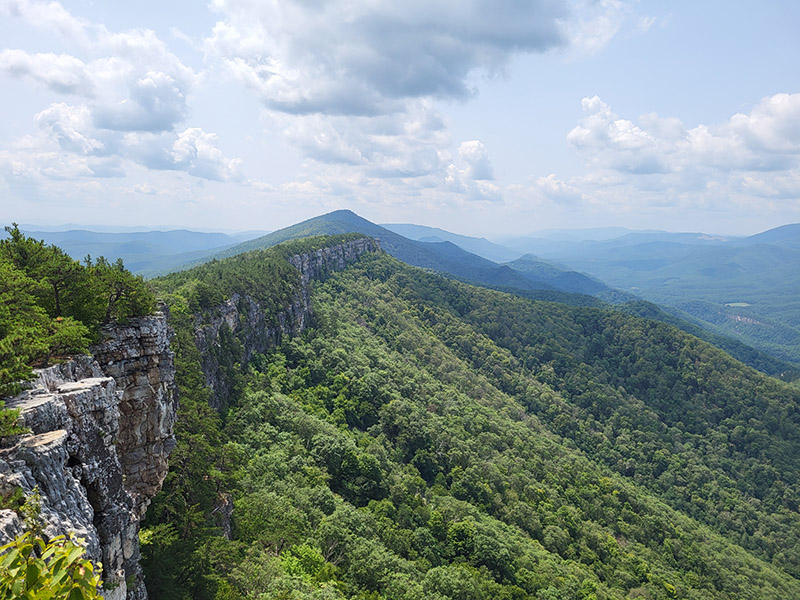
240, 327
101, 433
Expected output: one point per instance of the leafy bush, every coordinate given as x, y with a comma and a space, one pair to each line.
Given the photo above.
31, 569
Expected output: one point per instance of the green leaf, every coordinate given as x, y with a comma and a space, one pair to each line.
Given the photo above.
32, 575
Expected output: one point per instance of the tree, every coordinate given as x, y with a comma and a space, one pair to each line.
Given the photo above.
27, 333
120, 293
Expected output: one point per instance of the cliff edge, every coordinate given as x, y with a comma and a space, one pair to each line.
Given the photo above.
254, 329
101, 433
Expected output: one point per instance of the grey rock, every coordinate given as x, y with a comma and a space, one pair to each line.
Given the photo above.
101, 432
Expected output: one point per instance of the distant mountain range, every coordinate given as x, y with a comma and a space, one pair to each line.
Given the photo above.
144, 252
480, 246
617, 261
746, 287
735, 288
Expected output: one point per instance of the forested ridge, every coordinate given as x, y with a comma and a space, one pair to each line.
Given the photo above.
427, 438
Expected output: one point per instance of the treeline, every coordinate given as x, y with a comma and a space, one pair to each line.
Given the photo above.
429, 439
52, 305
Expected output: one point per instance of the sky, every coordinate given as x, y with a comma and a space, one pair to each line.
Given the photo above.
483, 117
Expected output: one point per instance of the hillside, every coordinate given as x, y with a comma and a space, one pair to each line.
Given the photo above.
744, 288
427, 438
480, 246
569, 281
527, 276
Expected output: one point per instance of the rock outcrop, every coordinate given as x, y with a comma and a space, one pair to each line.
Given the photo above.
101, 433
255, 330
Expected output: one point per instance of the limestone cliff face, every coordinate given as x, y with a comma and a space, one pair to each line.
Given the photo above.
258, 331
101, 435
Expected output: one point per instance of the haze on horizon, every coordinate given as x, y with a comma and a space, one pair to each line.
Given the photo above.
554, 114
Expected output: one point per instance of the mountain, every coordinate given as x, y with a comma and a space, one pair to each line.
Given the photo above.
569, 281
591, 233
577, 247
444, 257
143, 252
419, 437
740, 287
786, 235
480, 246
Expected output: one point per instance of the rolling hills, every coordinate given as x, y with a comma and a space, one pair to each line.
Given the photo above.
145, 253
740, 287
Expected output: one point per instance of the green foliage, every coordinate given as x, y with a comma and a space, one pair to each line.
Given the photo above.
52, 306
9, 419
431, 439
31, 569
12, 499
31, 511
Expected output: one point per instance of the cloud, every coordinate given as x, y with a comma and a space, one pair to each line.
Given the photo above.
155, 102
553, 188
134, 93
751, 159
196, 152
361, 59
617, 143
51, 16
60, 73
772, 126
766, 139
595, 23
354, 84
131, 80
474, 153
473, 181
70, 127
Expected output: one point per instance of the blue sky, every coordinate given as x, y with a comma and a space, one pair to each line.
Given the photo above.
481, 117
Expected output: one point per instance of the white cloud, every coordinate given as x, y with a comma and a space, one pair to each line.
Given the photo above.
553, 188
617, 143
473, 181
474, 153
196, 152
772, 126
595, 23
154, 102
342, 57
135, 98
69, 126
767, 138
60, 73
752, 159
353, 84
51, 16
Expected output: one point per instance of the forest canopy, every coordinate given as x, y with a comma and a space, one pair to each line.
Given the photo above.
429, 439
